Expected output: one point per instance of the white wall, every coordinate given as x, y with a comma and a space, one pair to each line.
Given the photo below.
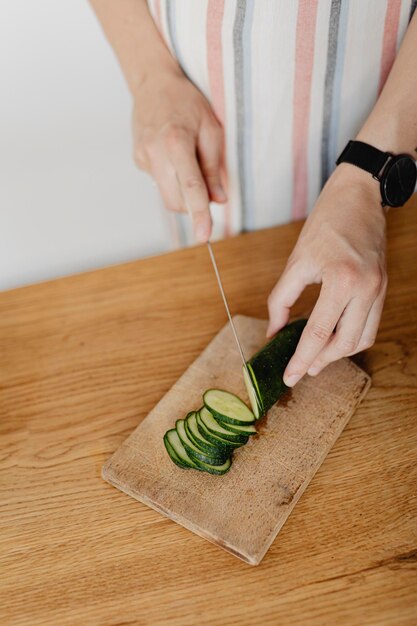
71, 198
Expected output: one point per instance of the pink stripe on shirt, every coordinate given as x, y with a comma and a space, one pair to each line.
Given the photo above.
389, 42
304, 58
215, 12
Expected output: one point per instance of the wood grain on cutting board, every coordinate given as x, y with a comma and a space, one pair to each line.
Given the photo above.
243, 510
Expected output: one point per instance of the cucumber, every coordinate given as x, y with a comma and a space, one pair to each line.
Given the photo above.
197, 455
267, 367
216, 428
174, 443
253, 391
216, 469
201, 442
227, 407
215, 439
248, 430
173, 455
176, 450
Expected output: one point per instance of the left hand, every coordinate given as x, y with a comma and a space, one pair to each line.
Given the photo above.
341, 246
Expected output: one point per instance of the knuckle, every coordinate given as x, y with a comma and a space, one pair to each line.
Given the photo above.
346, 346
319, 332
375, 280
193, 183
174, 135
347, 275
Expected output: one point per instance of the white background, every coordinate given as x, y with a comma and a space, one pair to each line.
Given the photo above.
71, 198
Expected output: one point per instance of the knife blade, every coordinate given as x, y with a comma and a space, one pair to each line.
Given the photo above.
219, 282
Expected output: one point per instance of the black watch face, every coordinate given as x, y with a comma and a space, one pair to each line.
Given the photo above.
399, 180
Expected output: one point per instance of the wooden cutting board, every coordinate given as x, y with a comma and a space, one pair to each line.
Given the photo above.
244, 510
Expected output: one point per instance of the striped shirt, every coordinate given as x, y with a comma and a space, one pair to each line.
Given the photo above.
291, 81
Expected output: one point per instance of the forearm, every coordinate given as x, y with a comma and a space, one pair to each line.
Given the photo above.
131, 31
392, 124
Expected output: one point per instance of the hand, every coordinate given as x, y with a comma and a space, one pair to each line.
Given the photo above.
178, 140
341, 246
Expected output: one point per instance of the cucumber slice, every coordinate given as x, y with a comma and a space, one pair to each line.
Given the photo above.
227, 407
174, 443
177, 451
217, 469
215, 439
193, 452
201, 442
253, 391
268, 365
216, 428
173, 455
248, 430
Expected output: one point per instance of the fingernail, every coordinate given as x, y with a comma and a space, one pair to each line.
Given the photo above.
313, 371
201, 233
291, 380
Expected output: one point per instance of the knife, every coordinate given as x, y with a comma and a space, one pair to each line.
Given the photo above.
219, 281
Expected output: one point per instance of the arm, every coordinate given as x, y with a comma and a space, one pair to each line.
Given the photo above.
177, 138
342, 244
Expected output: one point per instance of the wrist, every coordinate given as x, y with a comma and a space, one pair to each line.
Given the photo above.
155, 74
360, 185
387, 134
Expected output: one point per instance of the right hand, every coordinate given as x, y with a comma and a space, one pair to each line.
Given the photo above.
178, 140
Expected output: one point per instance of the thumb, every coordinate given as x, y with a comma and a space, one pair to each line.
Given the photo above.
285, 293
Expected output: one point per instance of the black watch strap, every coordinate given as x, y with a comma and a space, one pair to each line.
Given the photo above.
364, 156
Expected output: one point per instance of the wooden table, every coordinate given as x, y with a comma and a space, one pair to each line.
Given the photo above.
84, 359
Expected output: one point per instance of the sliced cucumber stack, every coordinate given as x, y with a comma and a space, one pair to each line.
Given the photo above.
177, 451
217, 457
206, 439
215, 427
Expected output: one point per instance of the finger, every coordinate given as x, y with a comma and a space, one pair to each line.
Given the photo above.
164, 174
348, 334
319, 328
210, 154
285, 293
193, 187
372, 323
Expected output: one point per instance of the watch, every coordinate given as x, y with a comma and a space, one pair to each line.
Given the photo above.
396, 173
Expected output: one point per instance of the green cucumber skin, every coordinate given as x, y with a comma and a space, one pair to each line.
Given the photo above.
172, 455
213, 469
199, 455
197, 465
215, 439
227, 418
268, 365
236, 429
233, 438
211, 449
256, 391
